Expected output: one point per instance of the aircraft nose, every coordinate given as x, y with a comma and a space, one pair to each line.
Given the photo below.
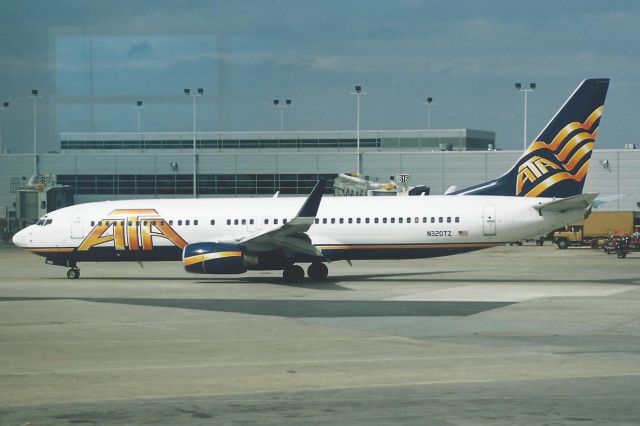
21, 238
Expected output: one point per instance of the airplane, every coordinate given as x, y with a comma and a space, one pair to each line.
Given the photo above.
540, 193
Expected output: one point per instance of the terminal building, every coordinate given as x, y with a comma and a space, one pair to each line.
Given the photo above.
110, 166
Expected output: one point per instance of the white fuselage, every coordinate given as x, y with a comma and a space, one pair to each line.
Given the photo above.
345, 227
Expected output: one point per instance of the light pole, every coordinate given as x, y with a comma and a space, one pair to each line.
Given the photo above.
428, 104
519, 88
357, 93
139, 107
199, 92
34, 95
281, 107
4, 106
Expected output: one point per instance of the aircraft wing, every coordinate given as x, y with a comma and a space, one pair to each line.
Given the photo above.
577, 202
291, 237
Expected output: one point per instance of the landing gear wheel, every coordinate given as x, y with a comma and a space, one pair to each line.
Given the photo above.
293, 274
73, 273
317, 271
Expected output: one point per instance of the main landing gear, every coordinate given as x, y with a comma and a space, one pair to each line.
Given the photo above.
316, 272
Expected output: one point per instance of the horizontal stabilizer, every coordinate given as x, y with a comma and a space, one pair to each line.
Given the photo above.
577, 202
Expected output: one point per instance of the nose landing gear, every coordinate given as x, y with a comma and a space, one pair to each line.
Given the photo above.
73, 273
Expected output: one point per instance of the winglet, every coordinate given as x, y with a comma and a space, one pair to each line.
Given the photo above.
311, 205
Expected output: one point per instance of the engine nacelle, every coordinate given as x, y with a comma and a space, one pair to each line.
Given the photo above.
214, 258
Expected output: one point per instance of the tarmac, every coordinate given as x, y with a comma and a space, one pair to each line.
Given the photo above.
509, 335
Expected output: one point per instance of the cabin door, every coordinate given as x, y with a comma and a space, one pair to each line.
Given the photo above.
77, 224
489, 220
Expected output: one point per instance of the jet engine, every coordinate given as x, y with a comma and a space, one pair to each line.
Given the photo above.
214, 258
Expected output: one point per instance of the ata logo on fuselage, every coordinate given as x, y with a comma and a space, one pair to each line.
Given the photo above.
131, 229
532, 170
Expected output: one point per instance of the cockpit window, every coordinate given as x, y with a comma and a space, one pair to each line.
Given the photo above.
48, 222
40, 222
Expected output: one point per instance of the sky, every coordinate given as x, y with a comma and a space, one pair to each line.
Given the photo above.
91, 61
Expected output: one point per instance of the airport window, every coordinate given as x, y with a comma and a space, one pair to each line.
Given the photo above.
457, 219
440, 219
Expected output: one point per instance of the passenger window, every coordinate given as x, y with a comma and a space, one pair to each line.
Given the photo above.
93, 223
375, 220
399, 220
333, 220
161, 223
440, 220
275, 221
366, 220
137, 223
357, 220
244, 221
180, 222
350, 220
122, 223
144, 223
384, 220
170, 222
187, 222
424, 219
251, 222
284, 221
228, 221
316, 221
235, 221
433, 219
417, 220
195, 222
408, 220
266, 221
448, 219
457, 219
341, 220
324, 220
213, 222
393, 220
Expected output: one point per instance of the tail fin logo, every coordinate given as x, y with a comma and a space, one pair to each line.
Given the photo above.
566, 158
